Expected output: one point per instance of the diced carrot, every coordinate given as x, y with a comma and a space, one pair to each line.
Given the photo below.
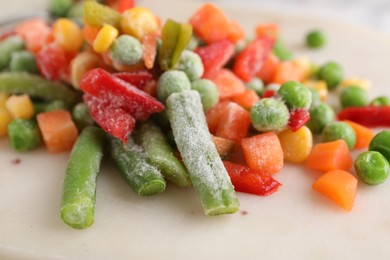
270, 30
149, 43
36, 34
363, 134
89, 33
224, 146
234, 123
263, 152
267, 71
213, 116
227, 83
246, 99
339, 186
330, 156
210, 23
236, 32
286, 71
123, 5
58, 130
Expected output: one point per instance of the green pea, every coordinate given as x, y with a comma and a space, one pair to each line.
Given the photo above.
191, 64
257, 85
332, 74
315, 39
380, 101
372, 167
24, 135
295, 95
60, 7
170, 82
320, 116
353, 97
193, 43
7, 47
208, 92
281, 51
381, 143
126, 50
315, 98
339, 130
23, 61
269, 114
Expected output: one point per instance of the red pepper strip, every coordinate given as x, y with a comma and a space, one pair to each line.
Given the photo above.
251, 59
268, 94
298, 118
112, 120
370, 116
118, 93
138, 79
251, 181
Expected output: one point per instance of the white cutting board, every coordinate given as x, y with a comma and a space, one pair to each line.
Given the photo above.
294, 223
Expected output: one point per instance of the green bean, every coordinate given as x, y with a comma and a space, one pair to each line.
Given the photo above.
40, 107
23, 61
24, 135
35, 86
7, 47
144, 178
160, 154
207, 173
79, 187
97, 14
60, 7
81, 116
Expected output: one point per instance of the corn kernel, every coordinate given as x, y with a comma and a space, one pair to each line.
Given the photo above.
320, 86
357, 82
3, 98
138, 22
5, 119
82, 63
20, 106
68, 34
296, 145
104, 39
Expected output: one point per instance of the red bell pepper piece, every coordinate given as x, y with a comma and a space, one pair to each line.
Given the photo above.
215, 55
268, 94
245, 179
370, 116
123, 5
118, 93
251, 59
138, 79
298, 118
113, 120
150, 49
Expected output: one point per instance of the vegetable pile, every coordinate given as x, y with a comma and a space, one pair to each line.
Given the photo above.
191, 103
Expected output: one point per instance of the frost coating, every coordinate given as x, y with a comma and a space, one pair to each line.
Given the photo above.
207, 172
126, 50
170, 82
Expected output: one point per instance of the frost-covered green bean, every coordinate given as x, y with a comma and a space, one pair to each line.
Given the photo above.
295, 95
339, 130
191, 64
7, 47
208, 92
372, 167
320, 116
172, 81
81, 116
269, 114
126, 50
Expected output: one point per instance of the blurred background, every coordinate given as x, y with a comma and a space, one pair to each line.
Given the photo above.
371, 13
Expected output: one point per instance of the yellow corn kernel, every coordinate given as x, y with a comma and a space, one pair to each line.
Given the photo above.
320, 86
138, 22
296, 145
82, 63
306, 65
20, 106
3, 98
104, 39
68, 34
357, 82
5, 119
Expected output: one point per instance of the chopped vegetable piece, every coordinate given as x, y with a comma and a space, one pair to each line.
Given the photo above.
251, 181
287, 71
20, 106
144, 178
23, 61
263, 152
372, 167
79, 187
339, 186
370, 116
149, 52
104, 38
246, 99
381, 143
224, 146
138, 22
213, 116
35, 86
364, 135
7, 47
330, 156
58, 130
339, 130
215, 55
298, 118
24, 135
36, 34
207, 173
296, 145
160, 154
228, 83
67, 34
53, 62
269, 68
83, 62
96, 14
